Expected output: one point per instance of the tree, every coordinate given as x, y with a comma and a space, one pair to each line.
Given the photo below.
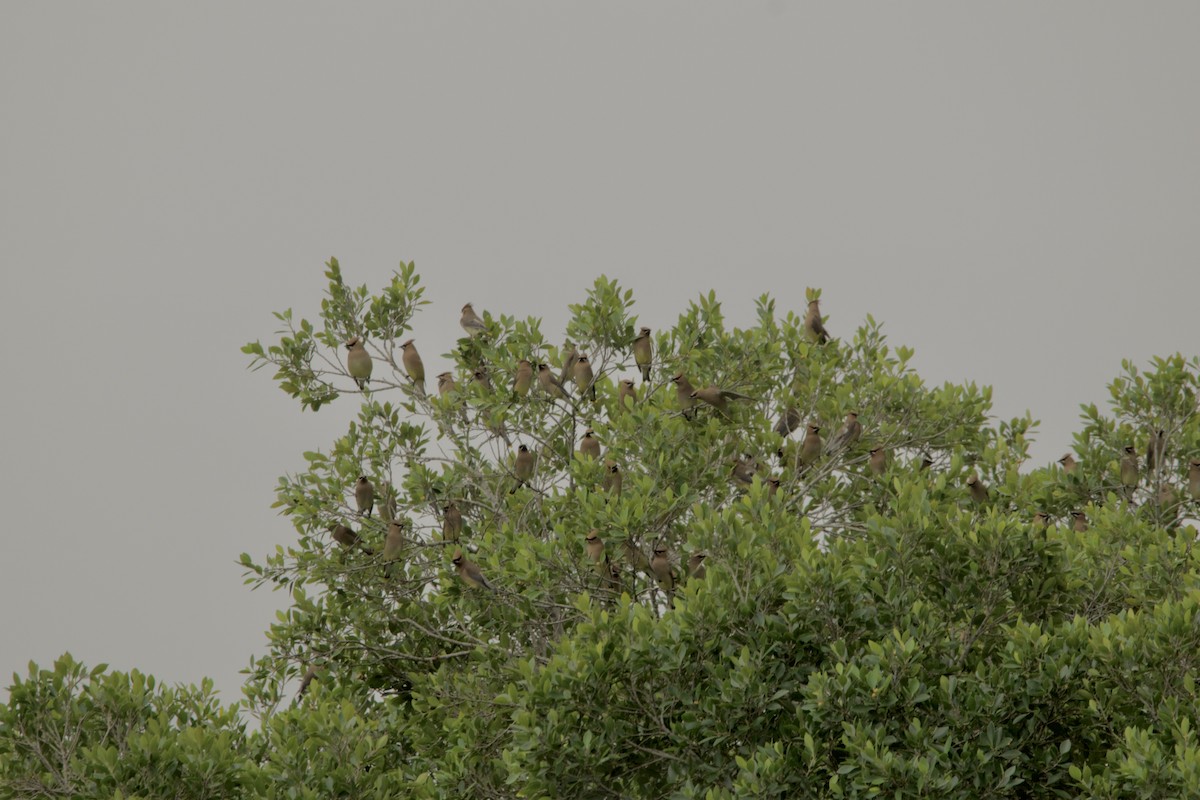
910, 611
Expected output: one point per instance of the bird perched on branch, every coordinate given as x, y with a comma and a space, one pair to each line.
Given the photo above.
643, 353
813, 326
358, 362
470, 321
413, 366
470, 573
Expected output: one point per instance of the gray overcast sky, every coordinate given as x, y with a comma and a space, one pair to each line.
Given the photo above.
1013, 189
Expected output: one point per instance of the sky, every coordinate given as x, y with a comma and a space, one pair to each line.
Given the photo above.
1012, 189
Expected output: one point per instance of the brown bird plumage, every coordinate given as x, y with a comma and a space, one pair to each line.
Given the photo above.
626, 391
717, 398
413, 365
470, 321
568, 364
1080, 521
589, 445
358, 362
643, 353
364, 495
1155, 448
684, 394
523, 466
584, 379
664, 572
813, 325
482, 379
451, 523
446, 383
469, 572
1194, 479
979, 492
613, 479
810, 450
744, 470
849, 434
393, 545
550, 384
789, 420
523, 378
347, 537
1129, 468
696, 568
1068, 463
878, 460
1041, 519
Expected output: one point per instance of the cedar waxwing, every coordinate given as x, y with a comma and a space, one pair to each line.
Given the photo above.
358, 362
1154, 449
696, 568
1080, 523
926, 463
613, 480
979, 492
1166, 496
308, 678
717, 398
469, 572
772, 486
550, 385
568, 365
523, 379
470, 321
451, 523
393, 545
1194, 478
1129, 468
848, 435
483, 379
810, 450
643, 353
789, 420
595, 551
413, 365
634, 555
364, 495
388, 508
626, 391
584, 379
684, 394
878, 461
744, 470
664, 573
347, 537
813, 325
523, 467
446, 384
589, 445
1041, 519
1068, 463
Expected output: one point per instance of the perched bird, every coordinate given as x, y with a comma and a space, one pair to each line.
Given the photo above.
1080, 521
696, 568
926, 463
1166, 496
810, 450
789, 420
309, 676
613, 480
584, 379
813, 326
446, 384
523, 379
979, 492
1129, 468
848, 435
717, 398
393, 545
452, 523
469, 572
550, 384
878, 460
1068, 463
589, 445
744, 470
568, 364
387, 509
358, 362
413, 365
364, 495
664, 573
643, 353
1194, 478
772, 486
1155, 448
347, 537
470, 321
1041, 519
626, 391
685, 394
594, 546
483, 379
523, 467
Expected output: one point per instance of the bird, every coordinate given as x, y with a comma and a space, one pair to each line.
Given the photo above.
789, 420
568, 364
347, 537
813, 326
979, 492
810, 449
696, 568
1194, 478
625, 390
393, 545
1040, 519
364, 496
309, 676
1080, 521
358, 362
446, 384
523, 467
878, 460
550, 384
684, 393
613, 480
926, 463
1068, 463
452, 523
664, 573
589, 445
1129, 468
848, 435
773, 485
584, 379
483, 379
470, 321
717, 398
643, 353
1154, 449
523, 379
744, 470
469, 572
413, 365
594, 546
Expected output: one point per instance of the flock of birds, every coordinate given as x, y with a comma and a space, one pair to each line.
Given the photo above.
578, 369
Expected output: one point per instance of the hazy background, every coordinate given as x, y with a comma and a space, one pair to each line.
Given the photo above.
1014, 190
